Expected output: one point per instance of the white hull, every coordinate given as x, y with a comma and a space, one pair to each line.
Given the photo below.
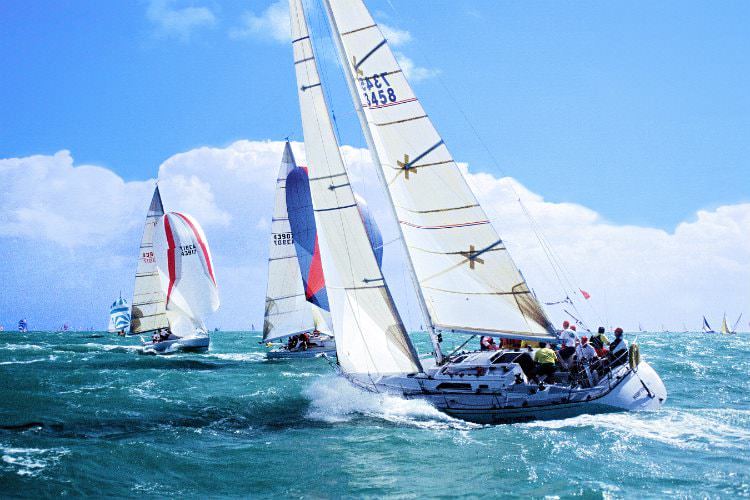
192, 344
494, 396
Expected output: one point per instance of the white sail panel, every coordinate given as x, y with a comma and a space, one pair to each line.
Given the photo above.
148, 311
287, 311
467, 278
186, 271
119, 316
370, 337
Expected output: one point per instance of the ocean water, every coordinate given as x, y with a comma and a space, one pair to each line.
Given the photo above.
87, 416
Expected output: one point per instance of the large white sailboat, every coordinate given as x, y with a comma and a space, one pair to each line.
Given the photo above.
175, 287
293, 312
464, 277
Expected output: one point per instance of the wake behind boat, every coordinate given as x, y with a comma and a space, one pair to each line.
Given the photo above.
465, 279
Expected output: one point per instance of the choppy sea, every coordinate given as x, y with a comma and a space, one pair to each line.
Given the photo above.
86, 414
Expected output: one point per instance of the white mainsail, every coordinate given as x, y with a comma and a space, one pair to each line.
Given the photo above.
287, 311
467, 279
370, 337
724, 327
148, 311
186, 273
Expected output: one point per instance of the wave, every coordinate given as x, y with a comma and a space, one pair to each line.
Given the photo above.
335, 400
248, 356
30, 461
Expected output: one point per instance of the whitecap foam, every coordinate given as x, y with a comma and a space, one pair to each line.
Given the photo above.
22, 347
31, 461
248, 356
334, 400
690, 430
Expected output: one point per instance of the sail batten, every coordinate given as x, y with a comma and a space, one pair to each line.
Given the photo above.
465, 274
370, 336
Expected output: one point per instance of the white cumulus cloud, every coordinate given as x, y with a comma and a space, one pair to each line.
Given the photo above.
176, 22
84, 222
271, 24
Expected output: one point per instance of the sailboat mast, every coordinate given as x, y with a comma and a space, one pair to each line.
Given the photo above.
371, 145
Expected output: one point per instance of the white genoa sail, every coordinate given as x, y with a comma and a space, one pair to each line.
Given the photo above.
370, 336
467, 279
119, 316
724, 327
287, 311
186, 272
148, 311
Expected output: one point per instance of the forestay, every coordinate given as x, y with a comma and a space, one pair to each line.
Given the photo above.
466, 276
148, 312
287, 312
186, 272
370, 337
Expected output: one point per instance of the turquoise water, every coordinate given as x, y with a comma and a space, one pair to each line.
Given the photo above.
92, 416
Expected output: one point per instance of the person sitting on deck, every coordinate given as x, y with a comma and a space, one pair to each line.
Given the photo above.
600, 342
292, 342
618, 349
487, 343
545, 359
304, 340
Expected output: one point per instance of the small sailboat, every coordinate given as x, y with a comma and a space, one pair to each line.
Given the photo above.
23, 326
295, 309
736, 324
175, 287
119, 317
724, 327
706, 328
465, 281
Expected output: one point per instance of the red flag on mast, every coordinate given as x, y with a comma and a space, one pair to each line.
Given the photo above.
585, 294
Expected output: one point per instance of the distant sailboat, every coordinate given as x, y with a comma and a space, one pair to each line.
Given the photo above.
23, 326
119, 316
736, 324
706, 327
294, 310
174, 282
724, 327
465, 280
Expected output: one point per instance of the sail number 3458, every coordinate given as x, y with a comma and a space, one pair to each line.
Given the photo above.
376, 90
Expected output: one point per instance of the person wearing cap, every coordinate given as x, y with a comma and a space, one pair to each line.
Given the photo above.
600, 342
618, 349
487, 343
545, 359
584, 351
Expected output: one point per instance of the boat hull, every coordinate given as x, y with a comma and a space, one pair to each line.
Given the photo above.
629, 390
311, 352
193, 344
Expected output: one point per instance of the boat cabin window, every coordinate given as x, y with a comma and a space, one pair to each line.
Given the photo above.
507, 357
456, 386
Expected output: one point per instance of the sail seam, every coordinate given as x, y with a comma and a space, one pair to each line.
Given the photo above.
384, 124
445, 226
359, 29
436, 210
335, 208
304, 60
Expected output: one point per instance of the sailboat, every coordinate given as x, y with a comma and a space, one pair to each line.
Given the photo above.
465, 280
294, 310
23, 326
706, 328
175, 287
119, 316
724, 327
736, 324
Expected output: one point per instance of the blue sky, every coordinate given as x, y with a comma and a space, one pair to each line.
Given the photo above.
637, 110
640, 109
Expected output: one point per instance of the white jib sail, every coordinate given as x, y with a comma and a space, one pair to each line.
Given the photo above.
186, 272
467, 278
148, 312
287, 311
370, 337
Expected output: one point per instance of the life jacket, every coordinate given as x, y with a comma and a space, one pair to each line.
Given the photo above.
596, 342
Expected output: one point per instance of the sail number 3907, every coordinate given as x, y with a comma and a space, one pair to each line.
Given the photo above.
376, 90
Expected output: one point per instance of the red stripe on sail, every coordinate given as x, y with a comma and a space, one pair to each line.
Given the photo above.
202, 244
170, 255
315, 278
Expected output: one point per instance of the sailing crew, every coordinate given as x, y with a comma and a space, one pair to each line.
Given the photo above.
568, 338
545, 358
584, 351
487, 343
618, 349
600, 342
